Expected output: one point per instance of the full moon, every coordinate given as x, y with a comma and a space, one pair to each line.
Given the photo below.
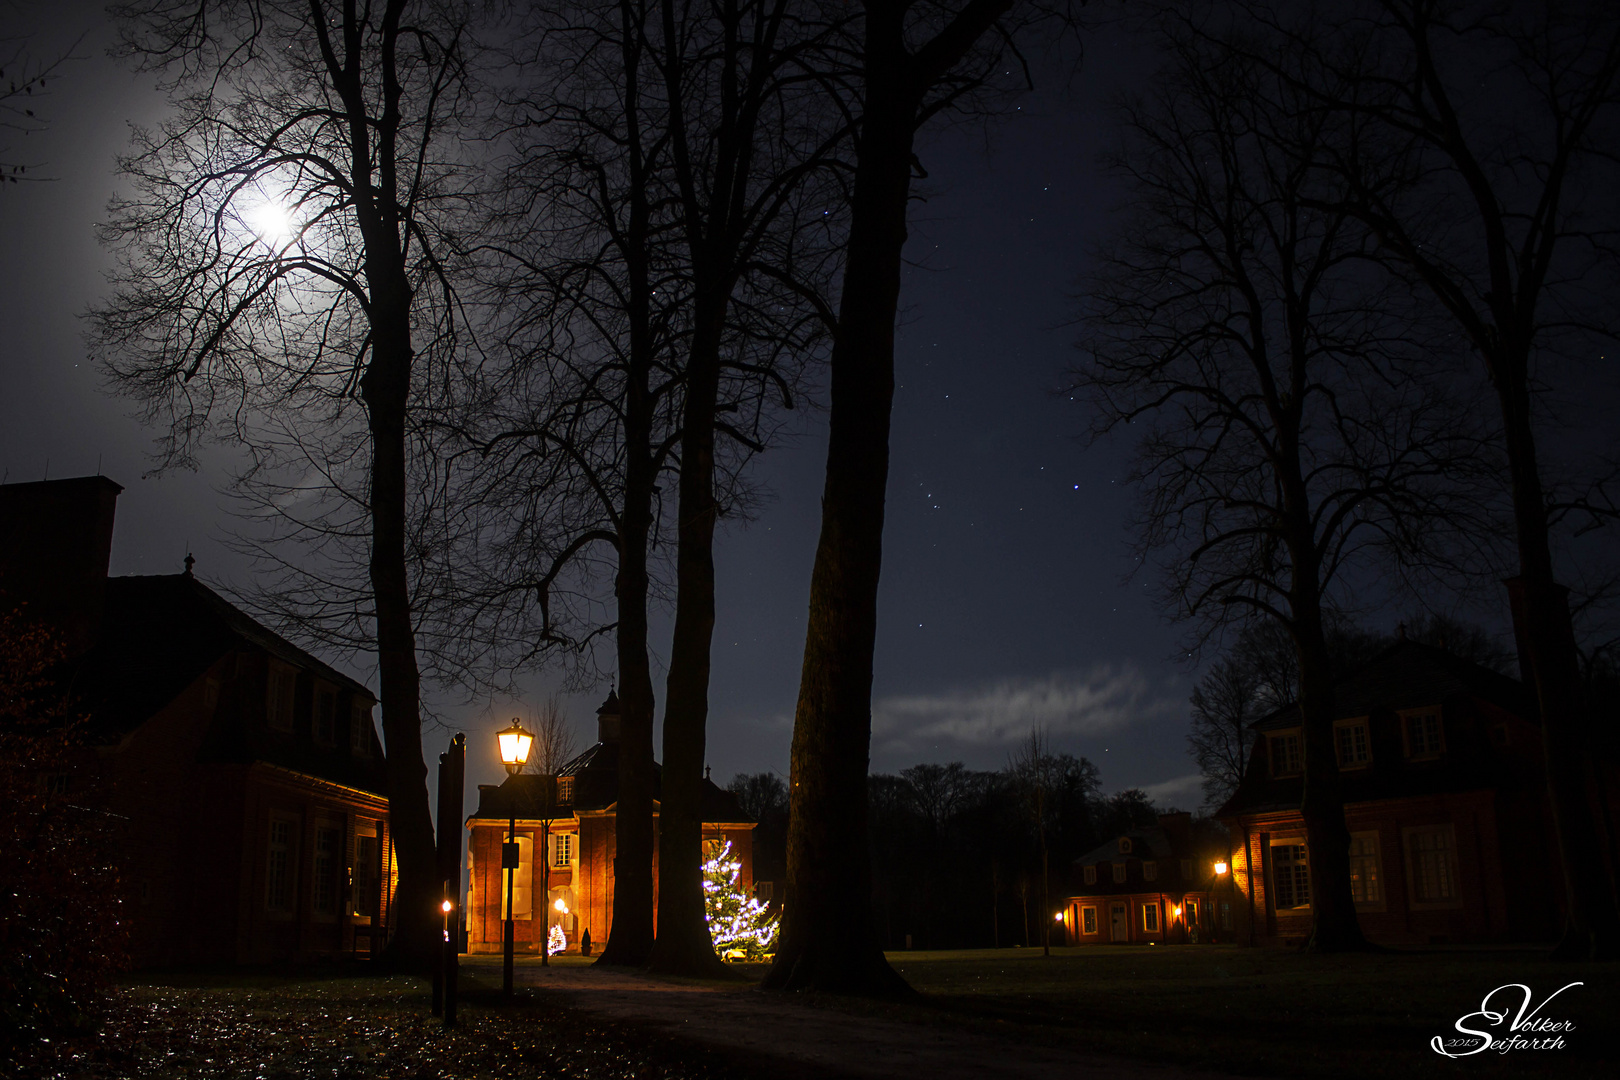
271, 223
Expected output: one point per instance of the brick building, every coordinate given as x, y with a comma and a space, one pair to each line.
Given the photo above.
243, 775
1440, 761
573, 888
1156, 884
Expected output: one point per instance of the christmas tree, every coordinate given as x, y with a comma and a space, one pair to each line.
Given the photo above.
556, 941
739, 925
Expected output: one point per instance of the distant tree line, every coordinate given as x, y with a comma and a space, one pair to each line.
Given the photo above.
956, 856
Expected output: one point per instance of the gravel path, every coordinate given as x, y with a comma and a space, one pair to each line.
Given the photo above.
750, 1025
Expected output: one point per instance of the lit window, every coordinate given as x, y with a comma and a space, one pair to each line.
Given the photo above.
1088, 920
522, 882
1364, 887
1285, 754
1351, 744
278, 879
1150, 871
1150, 917
1290, 876
325, 895
325, 716
365, 875
1091, 875
1423, 735
360, 728
278, 701
1433, 854
562, 849
1119, 873
565, 790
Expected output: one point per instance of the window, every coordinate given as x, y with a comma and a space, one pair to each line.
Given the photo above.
1290, 876
1285, 754
1119, 873
713, 847
278, 698
360, 728
1226, 915
365, 875
1351, 744
764, 891
1186, 869
1364, 886
1150, 871
1088, 920
1423, 735
565, 790
325, 716
1124, 845
1091, 875
522, 881
1150, 917
325, 896
1433, 855
278, 879
562, 849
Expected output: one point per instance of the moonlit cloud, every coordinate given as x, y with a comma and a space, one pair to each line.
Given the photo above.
1183, 792
996, 716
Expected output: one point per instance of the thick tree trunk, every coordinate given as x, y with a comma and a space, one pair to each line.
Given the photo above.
631, 937
827, 935
684, 946
1541, 620
1334, 925
385, 388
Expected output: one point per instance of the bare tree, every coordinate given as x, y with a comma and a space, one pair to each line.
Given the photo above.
1224, 703
283, 281
1504, 116
553, 748
1036, 775
20, 76
910, 62
1300, 425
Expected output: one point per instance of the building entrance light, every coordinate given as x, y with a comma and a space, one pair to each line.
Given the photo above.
1220, 868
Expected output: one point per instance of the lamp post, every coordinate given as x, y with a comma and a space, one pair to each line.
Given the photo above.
1221, 871
514, 742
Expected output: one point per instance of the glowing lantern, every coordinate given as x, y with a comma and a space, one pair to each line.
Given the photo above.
515, 743
1220, 868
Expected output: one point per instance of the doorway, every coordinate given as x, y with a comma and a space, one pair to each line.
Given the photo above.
1120, 929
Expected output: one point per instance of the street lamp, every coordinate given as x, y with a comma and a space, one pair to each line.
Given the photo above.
514, 742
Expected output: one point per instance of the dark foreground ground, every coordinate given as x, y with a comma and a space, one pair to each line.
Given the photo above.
1109, 1013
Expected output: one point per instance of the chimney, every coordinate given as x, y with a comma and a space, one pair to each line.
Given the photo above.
607, 719
55, 543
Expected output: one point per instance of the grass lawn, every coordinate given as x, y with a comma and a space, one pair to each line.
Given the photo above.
1268, 1011
344, 1024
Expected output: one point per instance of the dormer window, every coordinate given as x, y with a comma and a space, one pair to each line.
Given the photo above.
278, 698
325, 715
1351, 744
1091, 875
565, 790
1150, 871
1124, 845
1425, 739
1119, 873
360, 728
1286, 758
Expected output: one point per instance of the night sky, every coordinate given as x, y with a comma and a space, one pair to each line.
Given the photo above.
1005, 598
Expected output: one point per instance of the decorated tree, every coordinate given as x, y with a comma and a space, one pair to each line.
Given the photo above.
740, 926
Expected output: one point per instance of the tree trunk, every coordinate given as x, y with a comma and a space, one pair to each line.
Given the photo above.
630, 938
828, 940
684, 946
1334, 925
1541, 620
385, 388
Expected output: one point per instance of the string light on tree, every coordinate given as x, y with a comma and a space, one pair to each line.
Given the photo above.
739, 925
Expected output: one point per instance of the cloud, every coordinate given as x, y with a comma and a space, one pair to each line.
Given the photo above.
998, 715
1182, 792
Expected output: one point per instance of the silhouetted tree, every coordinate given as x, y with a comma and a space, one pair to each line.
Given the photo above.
283, 279
1299, 426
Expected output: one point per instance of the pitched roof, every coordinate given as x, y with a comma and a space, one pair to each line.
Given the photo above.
596, 787
1408, 675
158, 635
